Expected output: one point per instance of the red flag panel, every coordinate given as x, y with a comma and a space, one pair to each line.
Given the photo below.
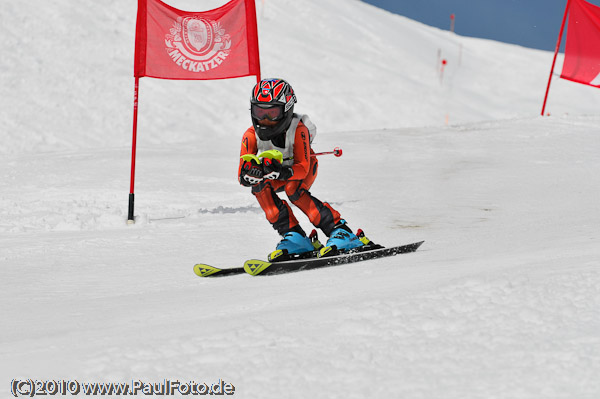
582, 50
216, 44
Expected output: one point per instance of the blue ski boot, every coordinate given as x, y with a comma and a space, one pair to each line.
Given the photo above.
341, 239
293, 243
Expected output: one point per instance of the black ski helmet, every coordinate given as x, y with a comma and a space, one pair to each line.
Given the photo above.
272, 99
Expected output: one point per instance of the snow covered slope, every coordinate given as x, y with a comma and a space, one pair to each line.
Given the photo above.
67, 75
502, 300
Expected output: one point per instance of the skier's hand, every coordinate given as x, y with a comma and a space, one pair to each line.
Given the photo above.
251, 173
274, 170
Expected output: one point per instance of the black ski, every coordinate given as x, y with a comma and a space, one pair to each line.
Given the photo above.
257, 267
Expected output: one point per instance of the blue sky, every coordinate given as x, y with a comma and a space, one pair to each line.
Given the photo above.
529, 23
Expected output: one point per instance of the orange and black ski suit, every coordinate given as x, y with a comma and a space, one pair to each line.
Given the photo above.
305, 166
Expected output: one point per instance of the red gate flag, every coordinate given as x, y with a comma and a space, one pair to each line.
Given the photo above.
216, 44
582, 50
175, 44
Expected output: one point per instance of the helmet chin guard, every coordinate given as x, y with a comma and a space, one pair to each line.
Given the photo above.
266, 133
272, 93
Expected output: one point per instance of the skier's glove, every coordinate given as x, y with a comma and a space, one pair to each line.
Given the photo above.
274, 170
251, 173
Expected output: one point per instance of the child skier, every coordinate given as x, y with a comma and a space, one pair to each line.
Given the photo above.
275, 126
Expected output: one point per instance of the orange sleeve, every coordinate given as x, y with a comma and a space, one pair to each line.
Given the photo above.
249, 146
302, 152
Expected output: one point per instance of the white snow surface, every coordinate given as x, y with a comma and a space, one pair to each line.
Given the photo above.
501, 301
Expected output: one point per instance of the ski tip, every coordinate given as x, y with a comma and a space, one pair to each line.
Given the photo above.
203, 270
254, 267
414, 246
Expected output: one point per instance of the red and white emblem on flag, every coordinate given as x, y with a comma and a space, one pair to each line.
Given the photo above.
197, 44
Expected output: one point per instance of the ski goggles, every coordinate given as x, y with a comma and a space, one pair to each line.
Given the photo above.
270, 112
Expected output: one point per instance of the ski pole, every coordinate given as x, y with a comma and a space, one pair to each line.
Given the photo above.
337, 151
